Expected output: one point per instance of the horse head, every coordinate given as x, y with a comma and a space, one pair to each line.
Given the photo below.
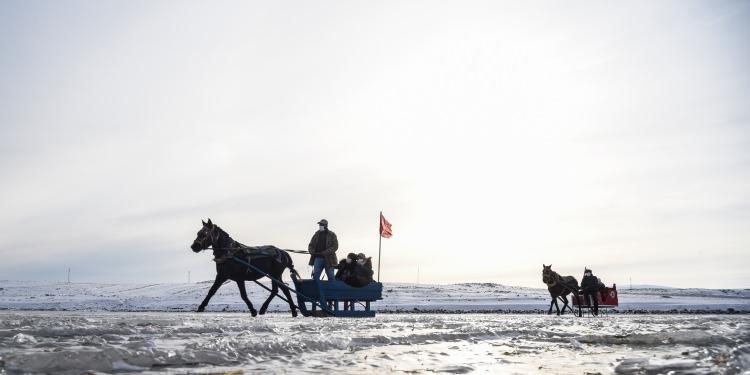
548, 275
205, 237
210, 235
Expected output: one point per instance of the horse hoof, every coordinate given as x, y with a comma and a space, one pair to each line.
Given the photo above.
294, 313
253, 313
200, 309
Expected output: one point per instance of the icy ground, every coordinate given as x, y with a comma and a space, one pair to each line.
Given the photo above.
76, 342
35, 295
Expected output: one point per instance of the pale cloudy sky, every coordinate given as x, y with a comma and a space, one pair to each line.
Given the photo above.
496, 136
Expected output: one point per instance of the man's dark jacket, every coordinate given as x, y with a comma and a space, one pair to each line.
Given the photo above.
590, 284
329, 254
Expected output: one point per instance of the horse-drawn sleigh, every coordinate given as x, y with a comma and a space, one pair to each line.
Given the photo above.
606, 299
237, 262
590, 298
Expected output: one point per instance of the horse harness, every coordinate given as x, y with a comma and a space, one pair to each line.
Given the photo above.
238, 250
228, 255
249, 252
556, 280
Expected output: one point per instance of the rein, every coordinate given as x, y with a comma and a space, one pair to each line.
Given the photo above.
245, 247
218, 233
233, 250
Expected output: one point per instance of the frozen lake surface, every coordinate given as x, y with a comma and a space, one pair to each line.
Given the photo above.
162, 342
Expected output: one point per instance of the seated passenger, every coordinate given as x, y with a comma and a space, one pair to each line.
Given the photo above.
355, 270
362, 272
346, 267
364, 261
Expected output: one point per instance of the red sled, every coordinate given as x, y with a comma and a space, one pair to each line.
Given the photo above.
607, 301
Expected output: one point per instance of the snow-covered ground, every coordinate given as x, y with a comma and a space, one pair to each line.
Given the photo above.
220, 343
146, 328
36, 295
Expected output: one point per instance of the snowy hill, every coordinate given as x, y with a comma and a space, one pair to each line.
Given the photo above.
36, 295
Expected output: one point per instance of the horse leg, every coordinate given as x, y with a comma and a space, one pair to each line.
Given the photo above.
557, 307
243, 294
578, 299
289, 298
565, 303
274, 292
551, 303
217, 283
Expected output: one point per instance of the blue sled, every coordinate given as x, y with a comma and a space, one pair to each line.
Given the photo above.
324, 297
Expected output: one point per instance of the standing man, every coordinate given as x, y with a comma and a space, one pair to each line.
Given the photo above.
590, 286
322, 249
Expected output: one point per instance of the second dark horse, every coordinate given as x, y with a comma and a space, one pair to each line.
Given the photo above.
223, 247
559, 286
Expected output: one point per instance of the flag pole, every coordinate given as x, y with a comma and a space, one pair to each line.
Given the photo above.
380, 240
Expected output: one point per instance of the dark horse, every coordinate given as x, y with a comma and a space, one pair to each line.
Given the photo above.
559, 286
224, 248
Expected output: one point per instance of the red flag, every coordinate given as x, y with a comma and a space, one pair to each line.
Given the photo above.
385, 227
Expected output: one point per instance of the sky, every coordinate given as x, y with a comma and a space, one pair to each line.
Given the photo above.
495, 136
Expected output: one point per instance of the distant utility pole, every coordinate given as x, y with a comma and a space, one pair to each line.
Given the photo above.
68, 275
417, 273
631, 282
188, 276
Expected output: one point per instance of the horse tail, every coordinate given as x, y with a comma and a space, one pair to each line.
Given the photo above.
292, 270
289, 263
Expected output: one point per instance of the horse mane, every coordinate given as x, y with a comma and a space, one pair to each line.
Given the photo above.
232, 243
